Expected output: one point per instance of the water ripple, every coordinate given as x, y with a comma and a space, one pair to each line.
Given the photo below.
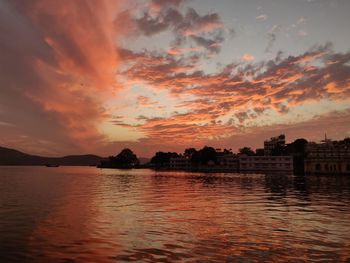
84, 214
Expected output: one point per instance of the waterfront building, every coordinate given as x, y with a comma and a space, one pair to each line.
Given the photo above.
180, 163
327, 157
227, 161
273, 143
265, 163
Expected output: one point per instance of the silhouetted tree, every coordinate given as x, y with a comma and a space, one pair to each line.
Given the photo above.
190, 152
205, 155
227, 151
125, 159
247, 151
163, 158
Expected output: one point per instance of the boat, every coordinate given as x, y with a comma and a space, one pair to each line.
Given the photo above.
52, 165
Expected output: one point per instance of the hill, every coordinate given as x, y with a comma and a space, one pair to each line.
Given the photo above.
14, 157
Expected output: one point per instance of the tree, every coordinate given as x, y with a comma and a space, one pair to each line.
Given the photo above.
190, 152
247, 151
163, 158
205, 155
227, 151
126, 158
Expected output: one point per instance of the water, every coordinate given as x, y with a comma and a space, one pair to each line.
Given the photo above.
84, 214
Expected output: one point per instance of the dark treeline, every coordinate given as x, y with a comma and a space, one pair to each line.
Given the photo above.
125, 159
203, 156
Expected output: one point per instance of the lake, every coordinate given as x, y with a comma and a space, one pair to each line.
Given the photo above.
85, 214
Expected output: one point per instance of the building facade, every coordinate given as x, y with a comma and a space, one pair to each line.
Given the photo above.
180, 163
265, 163
327, 158
226, 162
273, 143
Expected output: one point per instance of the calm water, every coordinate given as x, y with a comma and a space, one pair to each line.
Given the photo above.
84, 214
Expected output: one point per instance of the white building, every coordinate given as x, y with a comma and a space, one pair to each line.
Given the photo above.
265, 163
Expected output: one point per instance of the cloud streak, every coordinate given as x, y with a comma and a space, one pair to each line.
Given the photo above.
222, 102
60, 56
73, 73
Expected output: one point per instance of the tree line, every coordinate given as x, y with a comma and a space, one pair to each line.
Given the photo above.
127, 159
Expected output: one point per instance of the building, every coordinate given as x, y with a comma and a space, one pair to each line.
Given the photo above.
265, 163
273, 143
180, 163
327, 157
227, 161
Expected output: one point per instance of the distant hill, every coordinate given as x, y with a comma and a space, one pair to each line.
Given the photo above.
14, 157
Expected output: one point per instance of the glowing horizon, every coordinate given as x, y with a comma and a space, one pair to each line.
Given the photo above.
95, 77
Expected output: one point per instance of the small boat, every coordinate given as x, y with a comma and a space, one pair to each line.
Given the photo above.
52, 165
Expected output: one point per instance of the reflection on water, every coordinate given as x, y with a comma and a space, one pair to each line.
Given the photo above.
80, 214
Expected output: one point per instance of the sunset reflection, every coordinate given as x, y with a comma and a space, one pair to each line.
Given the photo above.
142, 215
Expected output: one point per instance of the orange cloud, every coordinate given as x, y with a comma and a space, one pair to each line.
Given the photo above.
235, 92
81, 35
76, 75
65, 64
145, 101
248, 57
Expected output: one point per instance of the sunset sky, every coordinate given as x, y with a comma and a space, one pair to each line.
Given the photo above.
89, 76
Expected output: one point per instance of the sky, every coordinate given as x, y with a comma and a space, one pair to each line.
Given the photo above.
89, 76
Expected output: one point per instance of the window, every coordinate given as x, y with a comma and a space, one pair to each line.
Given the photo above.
318, 167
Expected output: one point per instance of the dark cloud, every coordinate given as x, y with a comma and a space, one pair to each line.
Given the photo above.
204, 30
271, 37
213, 45
150, 25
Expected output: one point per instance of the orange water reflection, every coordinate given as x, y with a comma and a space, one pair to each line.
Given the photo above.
146, 216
